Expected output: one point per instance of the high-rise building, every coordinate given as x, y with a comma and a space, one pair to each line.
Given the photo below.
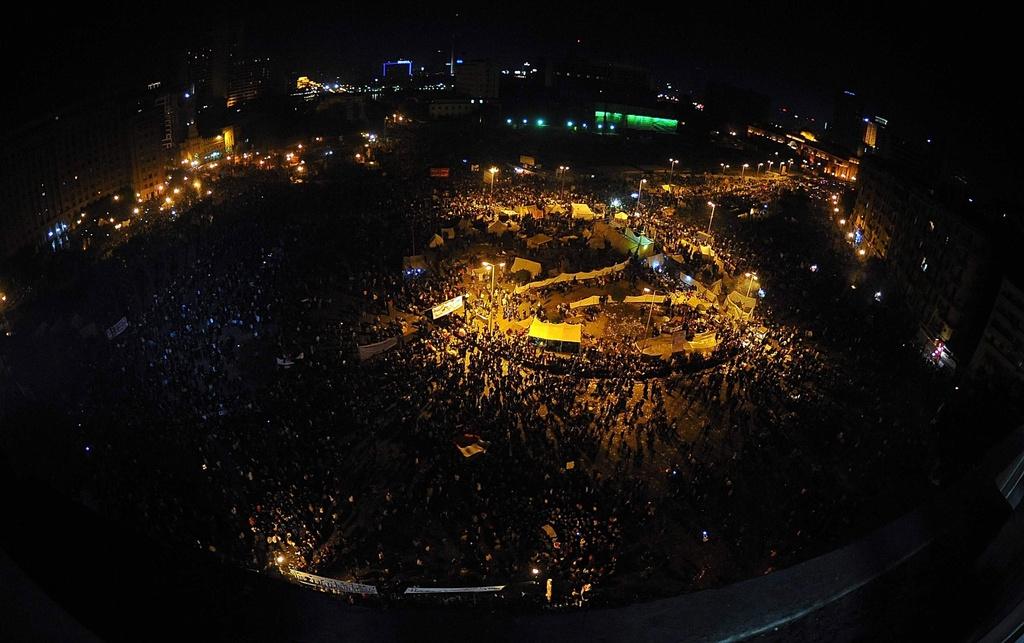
249, 77
53, 169
477, 79
847, 126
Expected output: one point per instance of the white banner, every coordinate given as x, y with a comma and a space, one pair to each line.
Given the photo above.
369, 350
118, 328
453, 590
331, 584
446, 308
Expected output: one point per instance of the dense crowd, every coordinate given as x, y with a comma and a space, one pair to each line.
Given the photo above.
235, 414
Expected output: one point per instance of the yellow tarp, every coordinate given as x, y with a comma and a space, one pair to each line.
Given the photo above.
572, 333
582, 211
595, 300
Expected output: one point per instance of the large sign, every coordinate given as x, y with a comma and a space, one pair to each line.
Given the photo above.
448, 307
439, 172
332, 585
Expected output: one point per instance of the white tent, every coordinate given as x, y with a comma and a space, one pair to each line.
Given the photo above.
645, 299
436, 241
537, 240
531, 267
497, 228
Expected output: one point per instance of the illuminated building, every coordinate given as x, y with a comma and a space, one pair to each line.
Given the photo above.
610, 121
249, 77
396, 70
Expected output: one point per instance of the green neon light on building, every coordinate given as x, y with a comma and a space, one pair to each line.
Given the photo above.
636, 121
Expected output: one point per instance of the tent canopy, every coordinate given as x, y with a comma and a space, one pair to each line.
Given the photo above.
529, 266
593, 300
582, 211
497, 228
537, 240
436, 241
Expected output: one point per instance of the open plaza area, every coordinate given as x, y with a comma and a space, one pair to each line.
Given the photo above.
557, 392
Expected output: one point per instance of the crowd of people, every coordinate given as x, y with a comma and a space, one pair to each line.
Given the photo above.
234, 413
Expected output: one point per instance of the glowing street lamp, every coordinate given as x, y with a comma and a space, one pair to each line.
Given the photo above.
650, 311
712, 217
751, 278
672, 169
640, 194
490, 313
759, 166
494, 172
743, 168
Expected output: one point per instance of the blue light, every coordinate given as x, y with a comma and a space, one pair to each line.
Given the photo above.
568, 124
635, 195
508, 120
524, 121
600, 126
611, 127
540, 122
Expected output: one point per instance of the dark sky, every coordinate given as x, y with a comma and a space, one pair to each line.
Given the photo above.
946, 74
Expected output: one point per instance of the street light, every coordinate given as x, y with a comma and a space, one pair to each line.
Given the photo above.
650, 311
640, 194
562, 169
759, 166
751, 278
494, 172
672, 170
712, 217
743, 168
770, 165
490, 312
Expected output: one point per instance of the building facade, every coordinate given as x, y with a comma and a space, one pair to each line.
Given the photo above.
53, 169
999, 358
936, 251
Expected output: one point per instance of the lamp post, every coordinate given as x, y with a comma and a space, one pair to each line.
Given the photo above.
494, 174
770, 165
712, 217
562, 169
672, 170
751, 278
650, 311
490, 312
743, 169
759, 166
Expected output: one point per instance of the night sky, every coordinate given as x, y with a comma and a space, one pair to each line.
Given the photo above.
938, 74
